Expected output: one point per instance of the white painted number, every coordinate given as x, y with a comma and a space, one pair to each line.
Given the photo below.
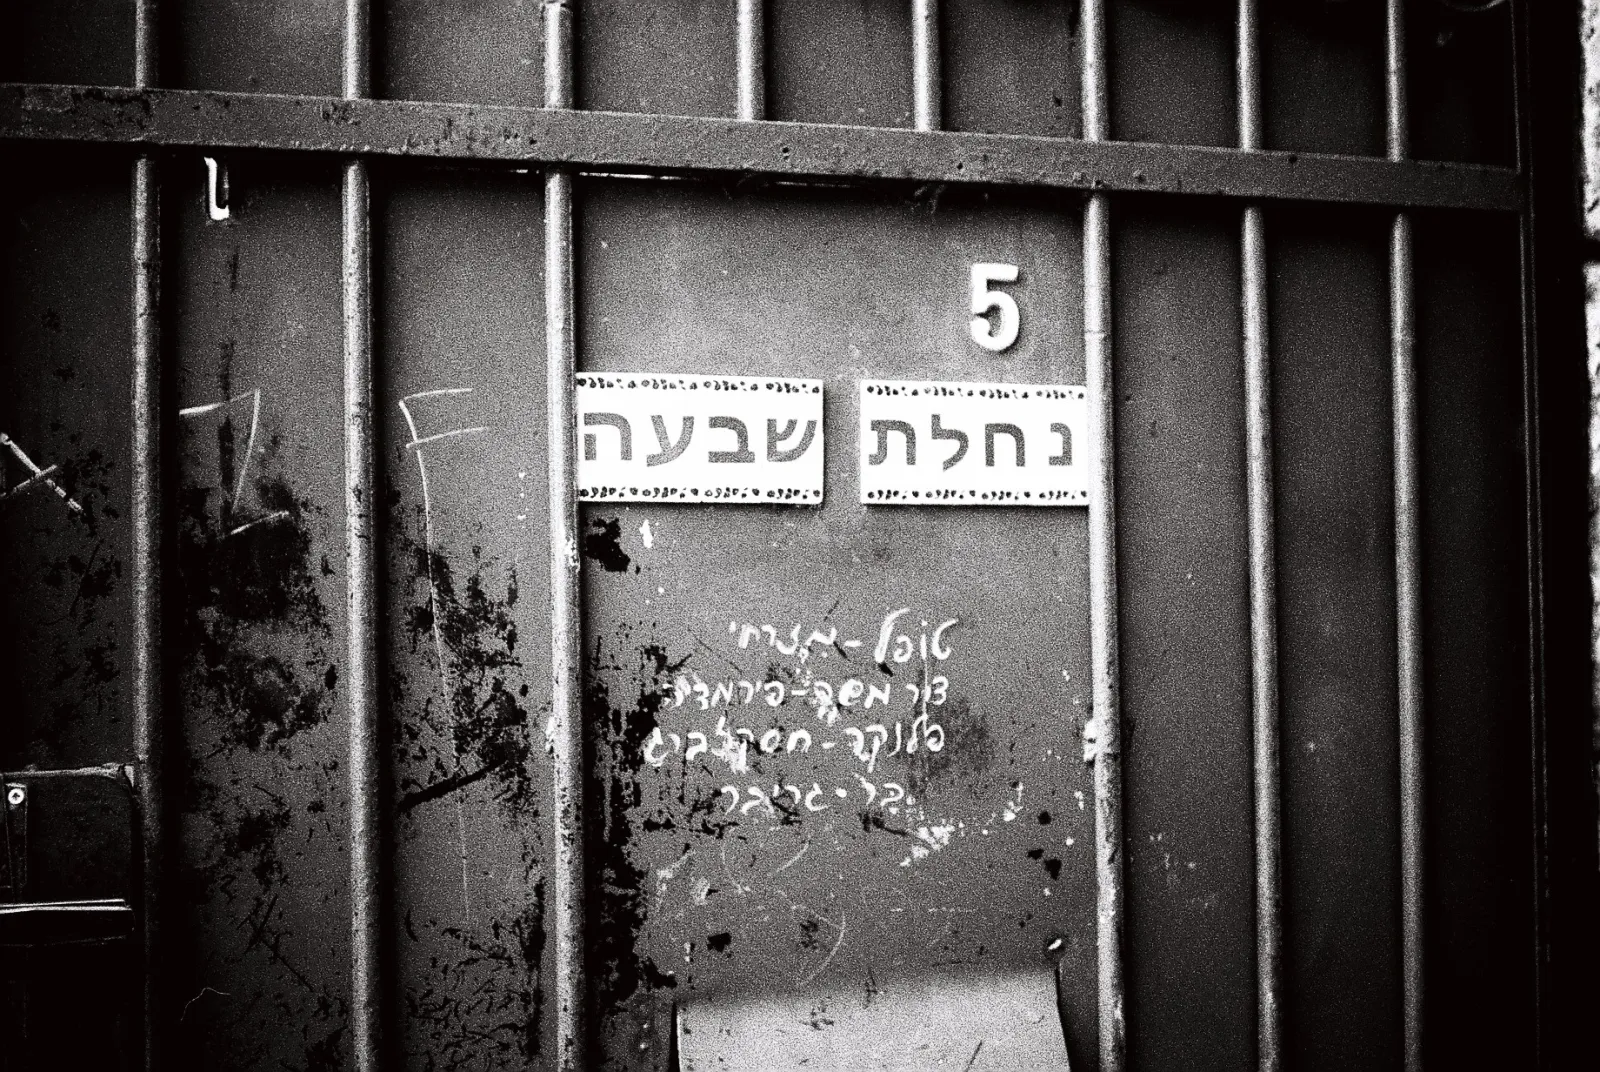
993, 336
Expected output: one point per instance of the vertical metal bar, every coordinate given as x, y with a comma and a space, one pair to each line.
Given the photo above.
1407, 558
927, 85
1103, 622
1408, 623
149, 711
1248, 74
1399, 123
1263, 642
361, 506
566, 637
1263, 567
752, 59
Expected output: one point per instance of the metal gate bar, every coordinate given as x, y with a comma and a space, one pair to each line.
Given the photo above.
1407, 556
361, 505
566, 623
1263, 564
927, 84
690, 145
751, 59
1100, 385
149, 710
149, 716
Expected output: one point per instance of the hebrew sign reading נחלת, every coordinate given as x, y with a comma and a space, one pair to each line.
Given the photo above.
945, 443
645, 437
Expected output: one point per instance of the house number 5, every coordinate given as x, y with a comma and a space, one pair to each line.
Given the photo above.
1000, 333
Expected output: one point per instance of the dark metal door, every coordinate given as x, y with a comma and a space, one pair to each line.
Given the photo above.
436, 760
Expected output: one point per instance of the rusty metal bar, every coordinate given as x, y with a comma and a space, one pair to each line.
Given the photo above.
1100, 385
1407, 557
1263, 568
149, 713
687, 145
566, 624
927, 80
149, 707
361, 510
751, 37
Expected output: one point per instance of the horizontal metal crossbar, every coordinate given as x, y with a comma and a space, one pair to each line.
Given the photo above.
659, 144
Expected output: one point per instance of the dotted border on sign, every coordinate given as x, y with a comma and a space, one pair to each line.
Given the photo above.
636, 381
921, 389
774, 496
942, 496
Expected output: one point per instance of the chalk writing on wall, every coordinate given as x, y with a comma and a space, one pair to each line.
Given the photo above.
652, 438
825, 740
973, 444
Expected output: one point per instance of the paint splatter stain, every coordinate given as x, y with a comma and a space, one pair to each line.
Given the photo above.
604, 545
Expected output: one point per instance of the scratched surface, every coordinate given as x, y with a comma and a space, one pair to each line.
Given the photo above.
257, 602
64, 539
810, 840
468, 615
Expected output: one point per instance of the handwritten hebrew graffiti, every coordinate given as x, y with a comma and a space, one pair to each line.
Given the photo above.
714, 418
800, 740
1007, 416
